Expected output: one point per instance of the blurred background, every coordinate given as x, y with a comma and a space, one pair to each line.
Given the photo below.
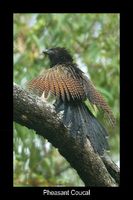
93, 40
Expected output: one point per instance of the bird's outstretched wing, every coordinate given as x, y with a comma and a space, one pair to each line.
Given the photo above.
69, 83
97, 99
59, 81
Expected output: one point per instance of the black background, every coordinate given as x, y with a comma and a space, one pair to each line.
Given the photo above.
6, 89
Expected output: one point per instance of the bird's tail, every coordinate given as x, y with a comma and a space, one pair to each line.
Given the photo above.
79, 120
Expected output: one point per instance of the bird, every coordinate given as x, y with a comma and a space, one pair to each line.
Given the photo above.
71, 88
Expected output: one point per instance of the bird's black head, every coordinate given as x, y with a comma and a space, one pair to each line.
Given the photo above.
58, 55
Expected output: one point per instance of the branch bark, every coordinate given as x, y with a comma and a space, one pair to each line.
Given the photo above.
32, 112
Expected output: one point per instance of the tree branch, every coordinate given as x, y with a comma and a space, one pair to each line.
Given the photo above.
32, 112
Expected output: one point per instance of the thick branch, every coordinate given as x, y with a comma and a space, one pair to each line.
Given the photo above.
32, 112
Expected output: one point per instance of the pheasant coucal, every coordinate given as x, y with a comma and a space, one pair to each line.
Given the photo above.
71, 88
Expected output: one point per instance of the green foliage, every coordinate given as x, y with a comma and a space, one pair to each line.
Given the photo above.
93, 40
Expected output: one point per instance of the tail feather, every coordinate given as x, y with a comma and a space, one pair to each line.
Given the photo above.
95, 131
80, 121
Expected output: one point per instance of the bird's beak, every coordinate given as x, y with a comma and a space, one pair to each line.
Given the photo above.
45, 51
